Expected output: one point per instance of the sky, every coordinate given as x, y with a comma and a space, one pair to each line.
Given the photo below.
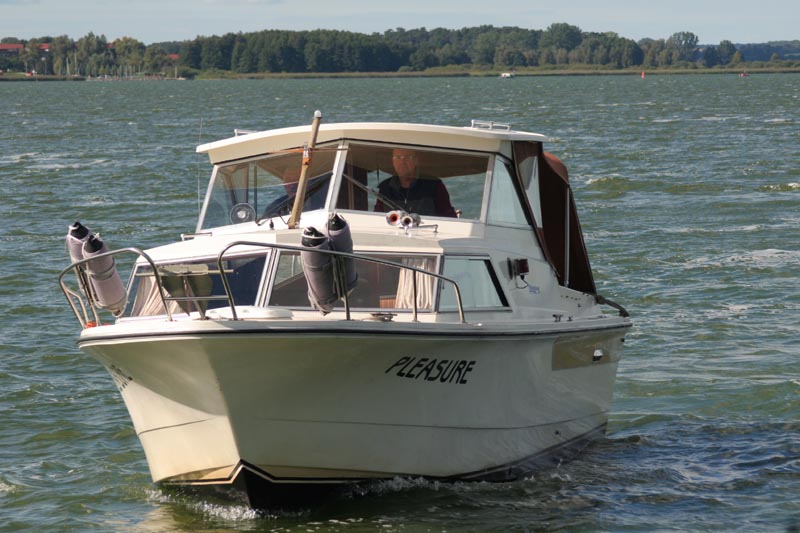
153, 21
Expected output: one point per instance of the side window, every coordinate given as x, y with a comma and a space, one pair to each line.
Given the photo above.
531, 181
504, 205
477, 283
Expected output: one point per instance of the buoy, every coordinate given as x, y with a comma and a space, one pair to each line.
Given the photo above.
642, 74
107, 286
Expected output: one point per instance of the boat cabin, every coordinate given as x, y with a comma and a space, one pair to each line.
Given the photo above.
486, 207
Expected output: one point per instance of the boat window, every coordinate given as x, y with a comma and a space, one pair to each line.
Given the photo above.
504, 202
529, 172
477, 283
197, 284
415, 180
265, 187
380, 287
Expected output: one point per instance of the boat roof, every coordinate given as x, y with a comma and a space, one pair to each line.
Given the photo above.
484, 136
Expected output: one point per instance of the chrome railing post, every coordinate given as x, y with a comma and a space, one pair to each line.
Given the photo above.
226, 284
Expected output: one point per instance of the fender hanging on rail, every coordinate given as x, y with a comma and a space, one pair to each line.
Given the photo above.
104, 278
320, 269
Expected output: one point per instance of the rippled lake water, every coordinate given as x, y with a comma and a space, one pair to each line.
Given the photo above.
688, 188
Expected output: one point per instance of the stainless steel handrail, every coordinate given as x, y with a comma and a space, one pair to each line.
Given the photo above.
340, 258
82, 315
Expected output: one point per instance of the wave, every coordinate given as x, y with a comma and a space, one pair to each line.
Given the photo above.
230, 513
782, 187
613, 179
767, 258
18, 158
723, 118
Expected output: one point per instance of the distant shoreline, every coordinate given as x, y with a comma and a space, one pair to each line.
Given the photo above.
431, 73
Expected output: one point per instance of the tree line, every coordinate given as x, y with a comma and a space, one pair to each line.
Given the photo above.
483, 47
91, 55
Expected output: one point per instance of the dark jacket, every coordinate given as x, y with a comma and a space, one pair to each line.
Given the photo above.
426, 196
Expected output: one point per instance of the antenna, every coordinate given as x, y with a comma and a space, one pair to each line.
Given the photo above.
199, 201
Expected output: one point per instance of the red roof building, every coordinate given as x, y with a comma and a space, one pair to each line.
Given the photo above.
16, 48
10, 48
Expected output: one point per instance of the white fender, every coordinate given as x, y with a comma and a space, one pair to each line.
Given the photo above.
77, 236
318, 269
106, 283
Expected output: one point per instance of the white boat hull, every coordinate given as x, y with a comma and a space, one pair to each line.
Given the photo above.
332, 407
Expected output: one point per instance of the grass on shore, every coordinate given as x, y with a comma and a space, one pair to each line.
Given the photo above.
553, 70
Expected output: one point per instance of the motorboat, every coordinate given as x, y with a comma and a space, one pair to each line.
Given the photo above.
358, 301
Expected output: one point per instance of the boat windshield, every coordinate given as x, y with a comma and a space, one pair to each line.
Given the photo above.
265, 187
415, 180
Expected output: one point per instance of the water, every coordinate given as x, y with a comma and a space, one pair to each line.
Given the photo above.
688, 188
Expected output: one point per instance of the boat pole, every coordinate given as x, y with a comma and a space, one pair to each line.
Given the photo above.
300, 196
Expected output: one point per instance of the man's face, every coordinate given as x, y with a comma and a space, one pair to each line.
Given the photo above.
405, 163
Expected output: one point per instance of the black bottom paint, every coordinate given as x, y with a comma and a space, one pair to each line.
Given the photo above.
260, 490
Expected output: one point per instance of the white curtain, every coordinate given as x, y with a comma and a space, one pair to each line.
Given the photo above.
425, 284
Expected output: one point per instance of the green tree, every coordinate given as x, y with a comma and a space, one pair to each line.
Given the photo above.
211, 56
684, 43
60, 49
561, 35
156, 61
29, 55
483, 49
726, 51
129, 54
423, 58
190, 53
711, 57
91, 54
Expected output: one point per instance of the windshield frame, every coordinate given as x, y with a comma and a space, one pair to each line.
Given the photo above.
273, 183
478, 210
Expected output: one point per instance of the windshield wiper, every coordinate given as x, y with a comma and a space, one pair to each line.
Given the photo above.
286, 204
381, 197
